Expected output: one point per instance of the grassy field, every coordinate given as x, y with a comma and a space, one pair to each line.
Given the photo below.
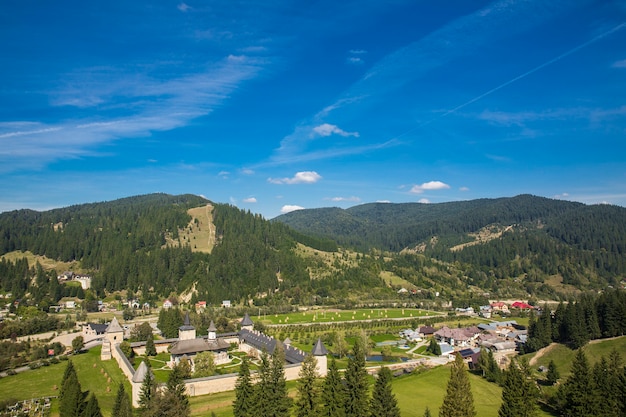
45, 262
329, 316
101, 378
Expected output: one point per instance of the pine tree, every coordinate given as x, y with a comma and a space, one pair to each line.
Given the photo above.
150, 348
262, 398
333, 392
244, 406
427, 412
92, 409
148, 392
307, 404
122, 406
576, 398
281, 403
383, 402
458, 401
552, 376
71, 397
176, 387
518, 394
356, 387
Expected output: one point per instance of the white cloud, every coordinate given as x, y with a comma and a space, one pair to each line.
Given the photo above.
352, 199
464, 189
428, 186
249, 200
247, 171
619, 64
423, 201
288, 208
355, 60
383, 201
183, 7
303, 177
224, 174
358, 51
327, 129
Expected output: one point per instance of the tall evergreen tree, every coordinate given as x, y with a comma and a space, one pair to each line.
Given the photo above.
307, 404
150, 348
552, 376
244, 405
333, 392
281, 403
92, 409
576, 397
458, 401
356, 386
148, 392
122, 406
518, 393
71, 397
383, 402
176, 387
427, 412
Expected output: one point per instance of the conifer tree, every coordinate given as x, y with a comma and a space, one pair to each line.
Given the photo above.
356, 387
333, 392
122, 406
71, 397
427, 412
307, 404
262, 399
176, 387
150, 348
576, 398
458, 401
552, 376
383, 402
244, 406
518, 394
281, 403
148, 392
92, 409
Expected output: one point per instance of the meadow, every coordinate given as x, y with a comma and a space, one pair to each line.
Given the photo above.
330, 316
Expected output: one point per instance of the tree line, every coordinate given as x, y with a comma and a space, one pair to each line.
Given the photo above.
577, 322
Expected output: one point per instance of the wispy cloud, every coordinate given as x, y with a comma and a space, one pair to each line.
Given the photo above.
289, 208
183, 7
249, 200
423, 201
327, 129
303, 177
619, 64
142, 105
428, 186
352, 199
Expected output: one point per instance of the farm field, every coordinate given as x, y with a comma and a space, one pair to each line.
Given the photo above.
329, 316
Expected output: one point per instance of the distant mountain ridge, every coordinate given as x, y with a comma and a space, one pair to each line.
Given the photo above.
394, 227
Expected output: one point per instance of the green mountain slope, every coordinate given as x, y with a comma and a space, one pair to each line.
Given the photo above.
526, 238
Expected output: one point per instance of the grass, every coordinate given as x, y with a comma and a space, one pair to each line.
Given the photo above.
329, 316
45, 262
94, 375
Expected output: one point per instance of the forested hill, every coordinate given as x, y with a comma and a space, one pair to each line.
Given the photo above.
395, 227
135, 244
523, 236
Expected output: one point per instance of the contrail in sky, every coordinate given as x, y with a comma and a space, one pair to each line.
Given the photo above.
519, 77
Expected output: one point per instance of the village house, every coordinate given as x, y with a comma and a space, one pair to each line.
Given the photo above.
457, 337
499, 307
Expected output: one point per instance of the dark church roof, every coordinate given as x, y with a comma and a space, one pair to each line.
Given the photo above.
98, 328
319, 349
201, 344
265, 343
212, 327
247, 321
187, 324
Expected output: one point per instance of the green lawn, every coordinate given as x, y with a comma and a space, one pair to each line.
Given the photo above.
101, 378
323, 316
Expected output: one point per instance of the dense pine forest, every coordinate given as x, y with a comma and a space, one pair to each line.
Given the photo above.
510, 247
535, 238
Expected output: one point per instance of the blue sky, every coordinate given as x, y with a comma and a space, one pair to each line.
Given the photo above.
275, 105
